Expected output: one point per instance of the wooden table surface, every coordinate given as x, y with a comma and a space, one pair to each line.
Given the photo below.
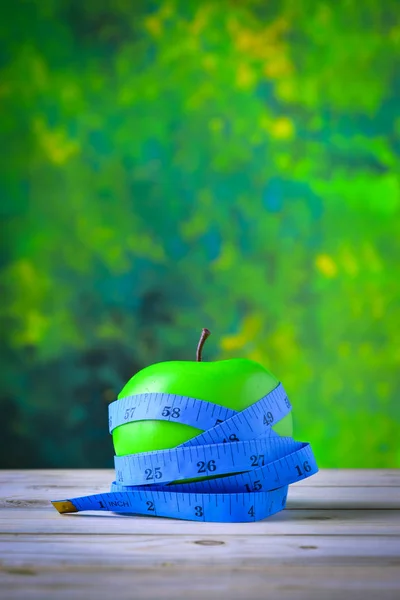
338, 538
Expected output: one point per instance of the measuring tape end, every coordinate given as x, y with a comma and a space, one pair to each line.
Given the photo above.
64, 506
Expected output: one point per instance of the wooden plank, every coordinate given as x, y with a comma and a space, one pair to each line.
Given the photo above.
343, 498
150, 551
300, 497
284, 582
293, 522
353, 478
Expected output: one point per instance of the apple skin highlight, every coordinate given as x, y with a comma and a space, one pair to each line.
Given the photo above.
235, 383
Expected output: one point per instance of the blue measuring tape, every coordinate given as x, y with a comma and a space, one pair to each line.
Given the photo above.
242, 466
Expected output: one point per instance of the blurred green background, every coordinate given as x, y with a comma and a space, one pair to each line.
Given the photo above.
173, 165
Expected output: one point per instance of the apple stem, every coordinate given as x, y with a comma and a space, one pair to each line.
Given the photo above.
204, 335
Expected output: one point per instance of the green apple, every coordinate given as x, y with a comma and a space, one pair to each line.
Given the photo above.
236, 383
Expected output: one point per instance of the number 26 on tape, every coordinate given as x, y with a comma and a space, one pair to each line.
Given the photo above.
204, 466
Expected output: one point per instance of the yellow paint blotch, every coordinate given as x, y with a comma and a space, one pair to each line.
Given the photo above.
326, 265
55, 143
154, 25
201, 19
286, 90
226, 259
277, 67
215, 124
282, 128
245, 77
258, 356
209, 62
284, 344
350, 263
251, 325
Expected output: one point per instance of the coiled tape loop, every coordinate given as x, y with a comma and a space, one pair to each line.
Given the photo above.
241, 468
